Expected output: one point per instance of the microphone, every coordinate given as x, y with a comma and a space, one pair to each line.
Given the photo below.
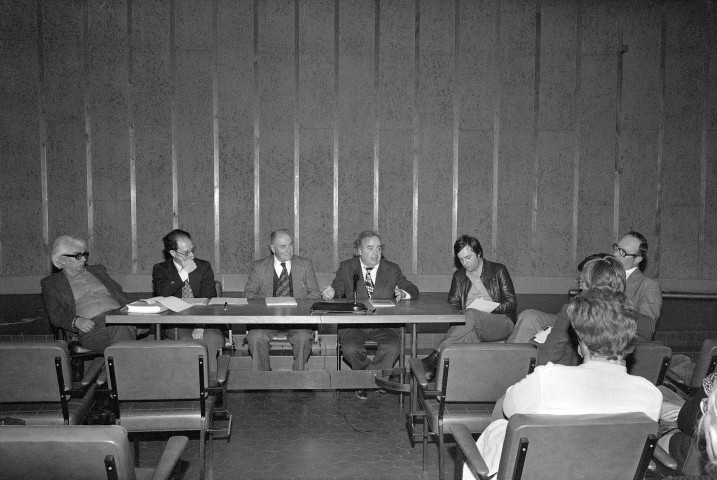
357, 307
356, 279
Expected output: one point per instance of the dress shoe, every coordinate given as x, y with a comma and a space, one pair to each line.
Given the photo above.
430, 364
362, 394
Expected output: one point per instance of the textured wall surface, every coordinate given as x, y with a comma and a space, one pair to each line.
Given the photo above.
546, 128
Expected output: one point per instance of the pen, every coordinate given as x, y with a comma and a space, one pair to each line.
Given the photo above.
225, 305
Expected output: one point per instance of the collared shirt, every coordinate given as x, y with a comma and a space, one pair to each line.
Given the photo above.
91, 297
372, 272
628, 272
182, 272
277, 267
477, 290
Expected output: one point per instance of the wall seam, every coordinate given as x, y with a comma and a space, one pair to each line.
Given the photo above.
536, 138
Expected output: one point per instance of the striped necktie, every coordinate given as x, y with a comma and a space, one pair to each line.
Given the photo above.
369, 281
282, 289
187, 290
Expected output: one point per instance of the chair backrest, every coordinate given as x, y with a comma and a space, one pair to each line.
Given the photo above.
483, 372
72, 452
156, 370
706, 362
577, 446
650, 360
28, 371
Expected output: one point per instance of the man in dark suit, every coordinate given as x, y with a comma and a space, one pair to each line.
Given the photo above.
281, 274
184, 276
378, 279
78, 297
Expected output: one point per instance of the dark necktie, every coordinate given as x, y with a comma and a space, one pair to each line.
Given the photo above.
282, 289
369, 281
187, 290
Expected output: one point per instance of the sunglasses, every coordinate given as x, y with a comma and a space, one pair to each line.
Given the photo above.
77, 256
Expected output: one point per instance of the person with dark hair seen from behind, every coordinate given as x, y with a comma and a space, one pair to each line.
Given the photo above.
605, 325
476, 279
644, 292
183, 275
79, 296
377, 278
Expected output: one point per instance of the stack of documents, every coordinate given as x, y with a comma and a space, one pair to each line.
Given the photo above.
145, 306
280, 301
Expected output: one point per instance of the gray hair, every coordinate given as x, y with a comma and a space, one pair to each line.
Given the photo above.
62, 245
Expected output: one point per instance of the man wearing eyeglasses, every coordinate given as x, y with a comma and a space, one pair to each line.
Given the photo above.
78, 296
184, 276
644, 292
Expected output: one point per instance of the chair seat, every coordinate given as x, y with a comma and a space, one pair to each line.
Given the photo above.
475, 416
166, 416
50, 413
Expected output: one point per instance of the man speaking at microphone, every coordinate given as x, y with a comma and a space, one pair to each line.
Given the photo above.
378, 279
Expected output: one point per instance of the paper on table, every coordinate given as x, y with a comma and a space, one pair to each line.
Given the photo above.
542, 335
228, 301
280, 301
381, 303
483, 305
173, 303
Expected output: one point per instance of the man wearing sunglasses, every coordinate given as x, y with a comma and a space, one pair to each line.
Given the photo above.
644, 292
78, 296
184, 276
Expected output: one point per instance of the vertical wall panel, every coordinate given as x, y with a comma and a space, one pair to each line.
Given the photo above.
475, 162
194, 141
515, 182
316, 57
435, 167
395, 106
553, 230
236, 165
709, 267
21, 222
356, 120
276, 109
153, 141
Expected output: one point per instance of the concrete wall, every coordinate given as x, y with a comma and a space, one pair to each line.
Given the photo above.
544, 127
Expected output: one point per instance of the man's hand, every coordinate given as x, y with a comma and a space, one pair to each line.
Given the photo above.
189, 265
84, 325
400, 294
198, 333
328, 293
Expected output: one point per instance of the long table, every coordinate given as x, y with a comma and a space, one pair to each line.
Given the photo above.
408, 312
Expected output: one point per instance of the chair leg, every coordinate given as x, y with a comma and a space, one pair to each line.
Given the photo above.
441, 454
202, 453
425, 442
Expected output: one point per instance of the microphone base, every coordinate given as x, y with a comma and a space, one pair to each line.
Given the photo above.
358, 307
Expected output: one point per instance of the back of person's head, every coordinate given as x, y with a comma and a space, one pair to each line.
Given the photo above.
463, 242
604, 321
591, 257
605, 272
170, 240
708, 425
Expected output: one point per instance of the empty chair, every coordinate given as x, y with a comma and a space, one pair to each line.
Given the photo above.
471, 378
566, 446
36, 384
649, 360
691, 382
162, 386
77, 452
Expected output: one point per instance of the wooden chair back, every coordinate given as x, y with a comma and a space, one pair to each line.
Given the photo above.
649, 360
29, 371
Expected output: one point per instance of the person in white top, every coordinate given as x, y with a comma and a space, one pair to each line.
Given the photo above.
605, 325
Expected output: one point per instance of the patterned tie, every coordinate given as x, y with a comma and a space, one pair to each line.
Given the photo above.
282, 289
369, 281
187, 290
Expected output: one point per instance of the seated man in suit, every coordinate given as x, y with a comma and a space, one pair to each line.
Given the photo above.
184, 276
379, 279
281, 274
78, 297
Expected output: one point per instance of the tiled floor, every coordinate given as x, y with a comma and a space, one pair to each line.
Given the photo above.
311, 435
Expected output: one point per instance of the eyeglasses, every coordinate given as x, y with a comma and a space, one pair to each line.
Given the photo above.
622, 252
185, 254
77, 256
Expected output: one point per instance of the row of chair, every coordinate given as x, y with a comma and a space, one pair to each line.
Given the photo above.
472, 378
153, 385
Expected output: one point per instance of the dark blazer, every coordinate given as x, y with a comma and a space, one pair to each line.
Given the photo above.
60, 302
167, 282
388, 277
497, 282
303, 278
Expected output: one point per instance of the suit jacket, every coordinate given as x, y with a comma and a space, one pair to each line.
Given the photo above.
497, 282
303, 278
60, 302
388, 277
167, 282
645, 294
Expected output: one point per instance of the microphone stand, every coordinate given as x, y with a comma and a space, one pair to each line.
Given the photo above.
357, 307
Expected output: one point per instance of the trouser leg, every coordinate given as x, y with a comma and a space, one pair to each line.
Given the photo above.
300, 339
352, 347
460, 333
389, 347
258, 339
529, 323
491, 327
103, 336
